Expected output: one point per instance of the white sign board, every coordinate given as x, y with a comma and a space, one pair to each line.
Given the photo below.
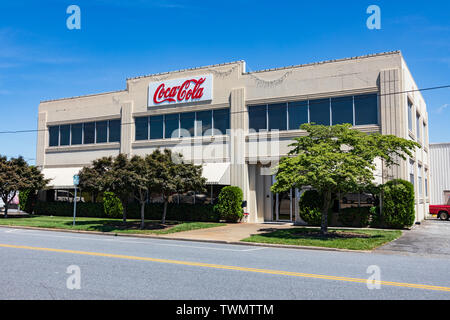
182, 90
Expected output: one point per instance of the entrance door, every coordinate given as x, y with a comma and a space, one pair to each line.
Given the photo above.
283, 206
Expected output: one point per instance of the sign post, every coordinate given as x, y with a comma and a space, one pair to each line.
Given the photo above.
76, 181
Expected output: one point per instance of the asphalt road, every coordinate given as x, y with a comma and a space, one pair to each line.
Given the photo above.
33, 265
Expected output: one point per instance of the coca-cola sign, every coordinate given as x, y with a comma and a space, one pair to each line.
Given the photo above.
191, 89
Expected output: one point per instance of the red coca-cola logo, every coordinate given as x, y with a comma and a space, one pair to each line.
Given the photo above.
190, 89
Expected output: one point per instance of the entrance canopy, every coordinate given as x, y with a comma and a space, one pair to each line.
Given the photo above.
217, 173
62, 178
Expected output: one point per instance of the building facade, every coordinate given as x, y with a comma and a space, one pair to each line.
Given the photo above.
238, 124
440, 175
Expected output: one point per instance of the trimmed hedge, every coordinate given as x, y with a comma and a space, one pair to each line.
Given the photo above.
398, 204
153, 211
229, 204
310, 208
27, 200
354, 216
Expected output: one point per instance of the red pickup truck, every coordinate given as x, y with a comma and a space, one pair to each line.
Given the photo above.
442, 211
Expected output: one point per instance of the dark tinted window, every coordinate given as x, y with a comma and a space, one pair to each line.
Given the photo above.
257, 118
187, 121
101, 128
89, 132
342, 110
54, 136
171, 125
114, 131
204, 122
156, 127
298, 114
277, 116
141, 125
221, 120
77, 132
366, 109
64, 131
319, 111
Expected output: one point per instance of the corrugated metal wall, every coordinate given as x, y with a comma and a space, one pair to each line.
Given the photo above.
440, 171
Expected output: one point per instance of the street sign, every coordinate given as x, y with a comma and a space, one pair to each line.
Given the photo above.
76, 180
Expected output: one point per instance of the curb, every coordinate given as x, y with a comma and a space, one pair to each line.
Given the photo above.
241, 243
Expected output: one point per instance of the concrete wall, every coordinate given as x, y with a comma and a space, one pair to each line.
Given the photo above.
234, 88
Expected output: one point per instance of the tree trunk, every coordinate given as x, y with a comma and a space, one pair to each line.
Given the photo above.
163, 220
142, 214
325, 208
6, 210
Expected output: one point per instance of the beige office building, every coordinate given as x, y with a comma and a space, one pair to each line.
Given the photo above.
238, 124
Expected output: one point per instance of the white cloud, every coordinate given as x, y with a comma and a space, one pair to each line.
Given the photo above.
442, 108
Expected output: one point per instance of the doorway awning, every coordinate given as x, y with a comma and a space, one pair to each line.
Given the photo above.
217, 173
61, 178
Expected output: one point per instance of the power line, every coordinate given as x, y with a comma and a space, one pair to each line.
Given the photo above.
314, 101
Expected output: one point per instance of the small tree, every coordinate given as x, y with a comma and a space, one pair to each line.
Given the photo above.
143, 177
172, 175
334, 159
16, 175
119, 180
92, 178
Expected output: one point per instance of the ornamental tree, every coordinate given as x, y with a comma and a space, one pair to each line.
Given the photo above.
333, 159
172, 175
92, 178
16, 175
119, 180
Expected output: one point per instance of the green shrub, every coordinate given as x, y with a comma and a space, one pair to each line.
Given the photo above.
398, 204
84, 209
376, 220
310, 207
229, 205
153, 211
354, 216
27, 200
112, 206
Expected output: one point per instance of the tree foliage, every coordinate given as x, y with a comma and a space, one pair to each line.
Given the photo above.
15, 176
333, 159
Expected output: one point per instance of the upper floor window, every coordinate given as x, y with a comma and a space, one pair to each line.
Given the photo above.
187, 124
410, 115
418, 128
419, 179
355, 110
84, 133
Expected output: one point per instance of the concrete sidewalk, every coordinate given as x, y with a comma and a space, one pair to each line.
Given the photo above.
228, 233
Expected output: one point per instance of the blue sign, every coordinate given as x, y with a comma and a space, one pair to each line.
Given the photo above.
76, 180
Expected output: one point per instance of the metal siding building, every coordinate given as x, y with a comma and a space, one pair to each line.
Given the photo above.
440, 173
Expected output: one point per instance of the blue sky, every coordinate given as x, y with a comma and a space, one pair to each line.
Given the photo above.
41, 59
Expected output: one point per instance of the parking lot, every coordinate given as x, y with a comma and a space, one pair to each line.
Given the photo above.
431, 237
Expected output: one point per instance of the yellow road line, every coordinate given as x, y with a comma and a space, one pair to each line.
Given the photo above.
225, 267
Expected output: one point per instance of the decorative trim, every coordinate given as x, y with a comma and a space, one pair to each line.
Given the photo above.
91, 147
179, 141
328, 94
76, 121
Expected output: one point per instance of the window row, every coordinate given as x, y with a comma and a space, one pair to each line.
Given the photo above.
187, 124
85, 133
356, 110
